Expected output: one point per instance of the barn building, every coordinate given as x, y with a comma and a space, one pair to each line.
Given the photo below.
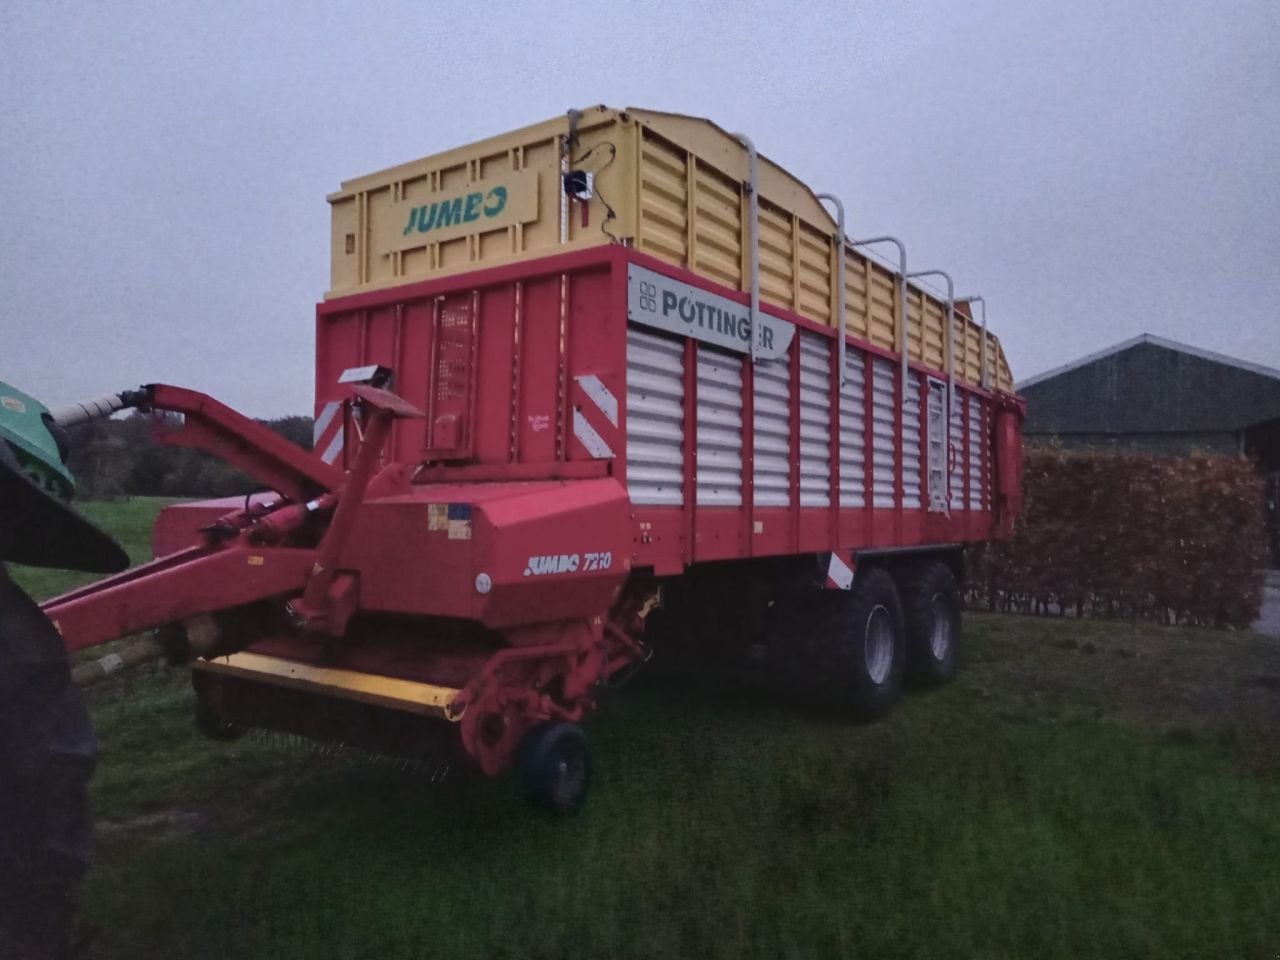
1160, 396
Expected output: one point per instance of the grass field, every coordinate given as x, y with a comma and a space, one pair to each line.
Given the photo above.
1082, 790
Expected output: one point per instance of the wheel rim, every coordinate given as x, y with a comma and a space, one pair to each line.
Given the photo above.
878, 649
940, 629
568, 773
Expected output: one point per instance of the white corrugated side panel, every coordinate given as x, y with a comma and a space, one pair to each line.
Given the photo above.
772, 422
884, 400
655, 418
911, 444
719, 427
815, 420
957, 452
977, 485
852, 431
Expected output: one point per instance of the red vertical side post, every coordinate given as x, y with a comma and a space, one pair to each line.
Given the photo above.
397, 336
899, 460
562, 373
433, 382
869, 446
968, 473
620, 316
987, 499
793, 403
473, 373
749, 454
923, 388
833, 444
513, 454
690, 446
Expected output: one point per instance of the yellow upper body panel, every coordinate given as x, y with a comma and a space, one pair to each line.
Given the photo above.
671, 186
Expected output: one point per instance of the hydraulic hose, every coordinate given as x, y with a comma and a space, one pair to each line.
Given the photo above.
99, 408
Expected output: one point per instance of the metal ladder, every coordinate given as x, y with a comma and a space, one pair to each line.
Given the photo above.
949, 407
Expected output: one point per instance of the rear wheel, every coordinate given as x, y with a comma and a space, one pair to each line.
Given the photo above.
843, 651
871, 632
554, 767
931, 602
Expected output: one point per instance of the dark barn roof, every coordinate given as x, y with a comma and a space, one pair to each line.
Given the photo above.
1149, 385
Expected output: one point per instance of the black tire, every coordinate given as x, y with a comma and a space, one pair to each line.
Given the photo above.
931, 604
554, 767
842, 651
47, 755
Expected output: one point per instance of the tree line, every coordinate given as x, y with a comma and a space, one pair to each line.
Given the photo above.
119, 457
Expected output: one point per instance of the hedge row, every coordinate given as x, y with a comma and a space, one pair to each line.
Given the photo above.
1176, 540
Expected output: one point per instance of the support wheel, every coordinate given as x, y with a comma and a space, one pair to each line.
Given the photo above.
554, 767
931, 603
209, 717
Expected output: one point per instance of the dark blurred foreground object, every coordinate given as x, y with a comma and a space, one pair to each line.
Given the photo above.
47, 754
47, 745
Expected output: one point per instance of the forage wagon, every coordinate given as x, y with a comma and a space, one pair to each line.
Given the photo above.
608, 372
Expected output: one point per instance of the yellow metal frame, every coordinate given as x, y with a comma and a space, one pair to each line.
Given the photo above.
397, 694
677, 189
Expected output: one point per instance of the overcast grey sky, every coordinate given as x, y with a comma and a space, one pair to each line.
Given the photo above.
1097, 169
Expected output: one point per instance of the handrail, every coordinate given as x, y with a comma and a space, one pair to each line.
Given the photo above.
753, 241
982, 347
841, 345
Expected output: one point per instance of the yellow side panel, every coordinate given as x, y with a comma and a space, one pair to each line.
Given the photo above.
541, 154
915, 329
816, 285
856, 272
777, 253
378, 206
676, 188
972, 351
345, 241
482, 205
882, 309
664, 200
717, 232
934, 331
1004, 376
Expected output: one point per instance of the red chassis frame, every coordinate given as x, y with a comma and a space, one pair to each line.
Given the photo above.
290, 560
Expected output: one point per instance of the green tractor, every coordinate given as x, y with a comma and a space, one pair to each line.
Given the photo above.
47, 744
